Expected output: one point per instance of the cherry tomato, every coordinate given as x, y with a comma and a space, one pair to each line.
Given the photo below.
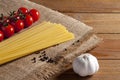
17, 17
1, 36
7, 20
13, 16
8, 30
35, 14
18, 25
28, 21
23, 10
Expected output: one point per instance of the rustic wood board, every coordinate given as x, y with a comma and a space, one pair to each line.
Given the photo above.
82, 6
100, 22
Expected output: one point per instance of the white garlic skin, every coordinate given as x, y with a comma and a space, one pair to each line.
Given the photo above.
85, 64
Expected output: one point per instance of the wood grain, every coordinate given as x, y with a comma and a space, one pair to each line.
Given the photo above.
109, 70
108, 49
102, 23
109, 36
82, 5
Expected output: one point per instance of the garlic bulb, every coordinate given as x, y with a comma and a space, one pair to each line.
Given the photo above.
85, 64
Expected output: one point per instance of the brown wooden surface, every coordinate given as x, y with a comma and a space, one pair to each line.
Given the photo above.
104, 17
82, 5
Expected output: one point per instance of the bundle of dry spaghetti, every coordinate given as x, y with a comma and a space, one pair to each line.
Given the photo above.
36, 38
33, 67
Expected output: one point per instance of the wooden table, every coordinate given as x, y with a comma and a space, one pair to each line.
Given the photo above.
104, 17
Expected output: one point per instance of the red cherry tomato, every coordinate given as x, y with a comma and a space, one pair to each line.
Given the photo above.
28, 21
1, 36
23, 10
17, 17
8, 30
35, 14
6, 20
18, 25
14, 18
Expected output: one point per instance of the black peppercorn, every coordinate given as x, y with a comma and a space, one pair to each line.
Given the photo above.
73, 44
45, 57
50, 60
65, 49
42, 59
33, 60
78, 40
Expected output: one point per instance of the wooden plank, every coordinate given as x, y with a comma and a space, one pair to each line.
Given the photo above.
109, 70
82, 5
101, 22
108, 49
109, 36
